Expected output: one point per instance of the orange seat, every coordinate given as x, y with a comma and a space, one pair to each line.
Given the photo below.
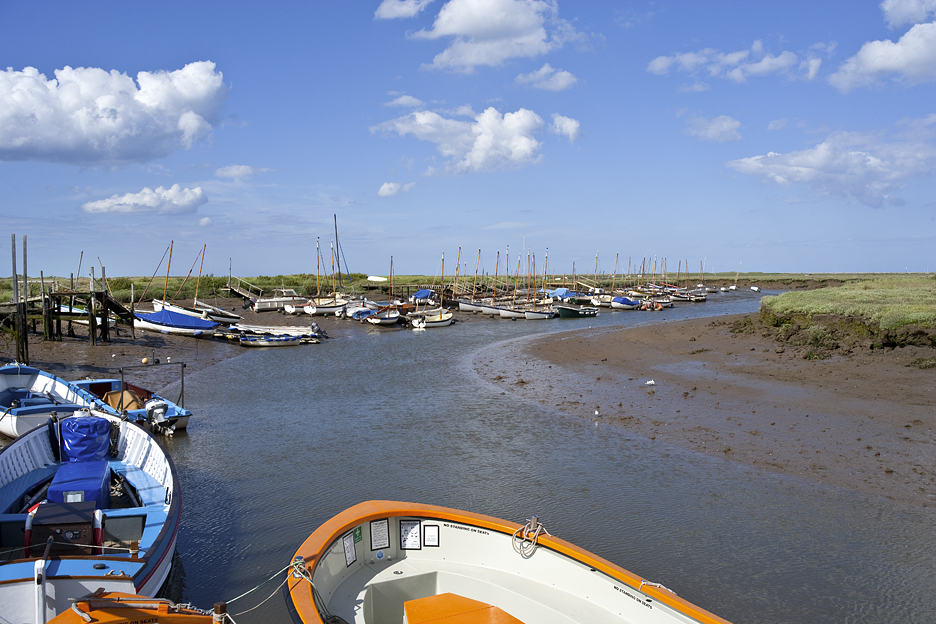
454, 609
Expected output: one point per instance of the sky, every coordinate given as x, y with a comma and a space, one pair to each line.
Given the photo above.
767, 136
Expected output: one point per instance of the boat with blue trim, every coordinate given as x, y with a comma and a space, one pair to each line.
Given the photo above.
88, 501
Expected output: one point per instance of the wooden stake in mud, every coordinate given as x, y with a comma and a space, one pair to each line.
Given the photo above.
92, 319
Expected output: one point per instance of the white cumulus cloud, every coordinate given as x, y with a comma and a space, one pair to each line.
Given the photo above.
174, 200
388, 189
566, 126
486, 142
89, 116
911, 60
239, 171
868, 167
721, 129
737, 66
546, 77
392, 9
903, 12
488, 32
204, 221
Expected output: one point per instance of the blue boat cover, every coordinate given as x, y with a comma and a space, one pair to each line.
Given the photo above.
559, 293
176, 319
82, 482
423, 293
86, 438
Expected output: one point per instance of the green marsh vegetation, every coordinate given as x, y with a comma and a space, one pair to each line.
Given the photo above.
881, 312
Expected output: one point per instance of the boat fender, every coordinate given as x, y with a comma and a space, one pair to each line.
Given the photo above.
99, 530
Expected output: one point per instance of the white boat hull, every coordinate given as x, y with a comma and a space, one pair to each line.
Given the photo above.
382, 561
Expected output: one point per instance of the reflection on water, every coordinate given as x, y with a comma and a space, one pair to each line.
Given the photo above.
285, 438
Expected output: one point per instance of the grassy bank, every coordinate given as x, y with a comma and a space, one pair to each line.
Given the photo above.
883, 312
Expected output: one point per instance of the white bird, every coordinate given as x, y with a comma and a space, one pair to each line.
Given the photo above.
650, 383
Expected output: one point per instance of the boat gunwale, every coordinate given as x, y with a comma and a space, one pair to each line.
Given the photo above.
316, 546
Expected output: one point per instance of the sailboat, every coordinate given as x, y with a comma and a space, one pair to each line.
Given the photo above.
322, 305
200, 310
389, 314
539, 313
168, 322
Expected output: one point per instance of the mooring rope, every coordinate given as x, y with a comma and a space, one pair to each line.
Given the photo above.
524, 538
300, 571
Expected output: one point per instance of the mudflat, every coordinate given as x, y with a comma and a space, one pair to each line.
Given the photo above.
863, 419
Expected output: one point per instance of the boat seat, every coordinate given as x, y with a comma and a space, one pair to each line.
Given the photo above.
13, 491
454, 609
149, 489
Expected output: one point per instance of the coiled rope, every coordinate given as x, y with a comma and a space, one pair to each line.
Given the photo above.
524, 538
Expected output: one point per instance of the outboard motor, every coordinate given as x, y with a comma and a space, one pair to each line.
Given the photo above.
156, 410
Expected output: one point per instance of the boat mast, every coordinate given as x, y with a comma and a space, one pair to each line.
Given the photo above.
166, 287
334, 287
614, 275
496, 266
455, 281
474, 287
513, 303
595, 283
198, 281
318, 289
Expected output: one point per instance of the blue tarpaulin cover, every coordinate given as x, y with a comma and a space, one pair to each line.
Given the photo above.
85, 438
80, 482
176, 319
424, 293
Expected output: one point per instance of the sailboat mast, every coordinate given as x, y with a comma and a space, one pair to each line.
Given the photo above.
474, 287
595, 282
455, 281
614, 275
198, 281
168, 264
318, 289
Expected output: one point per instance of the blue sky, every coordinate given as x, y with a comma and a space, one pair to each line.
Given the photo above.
784, 136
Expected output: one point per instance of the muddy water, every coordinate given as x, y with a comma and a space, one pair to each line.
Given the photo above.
283, 439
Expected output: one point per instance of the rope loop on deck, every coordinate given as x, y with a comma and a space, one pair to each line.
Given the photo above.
524, 538
652, 584
299, 570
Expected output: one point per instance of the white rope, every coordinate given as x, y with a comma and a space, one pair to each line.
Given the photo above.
652, 584
524, 538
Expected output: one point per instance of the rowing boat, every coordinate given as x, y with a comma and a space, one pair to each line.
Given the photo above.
387, 561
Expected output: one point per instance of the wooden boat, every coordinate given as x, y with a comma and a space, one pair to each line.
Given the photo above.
387, 561
540, 314
86, 502
570, 311
168, 322
29, 396
123, 608
323, 306
215, 315
311, 331
270, 341
280, 298
144, 407
80, 316
625, 303
387, 316
433, 318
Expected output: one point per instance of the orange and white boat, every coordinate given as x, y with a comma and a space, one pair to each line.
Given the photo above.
121, 608
388, 561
